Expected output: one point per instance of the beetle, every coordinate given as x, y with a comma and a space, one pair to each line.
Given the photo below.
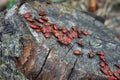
66, 40
69, 41
101, 55
64, 30
42, 13
33, 26
47, 24
111, 78
106, 67
55, 27
104, 71
70, 35
38, 30
47, 35
85, 33
117, 75
30, 19
27, 15
49, 29
44, 18
91, 54
44, 30
77, 52
117, 65
102, 58
110, 73
37, 25
73, 35
39, 20
102, 64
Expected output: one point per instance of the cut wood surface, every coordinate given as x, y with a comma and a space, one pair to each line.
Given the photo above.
30, 55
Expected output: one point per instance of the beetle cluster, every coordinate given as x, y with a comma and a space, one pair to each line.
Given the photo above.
105, 69
62, 34
104, 66
65, 37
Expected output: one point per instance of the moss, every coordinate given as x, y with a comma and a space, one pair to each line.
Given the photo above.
11, 4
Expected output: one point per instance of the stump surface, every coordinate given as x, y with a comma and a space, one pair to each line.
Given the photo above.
49, 60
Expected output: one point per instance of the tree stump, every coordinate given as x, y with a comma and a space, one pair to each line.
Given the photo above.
24, 50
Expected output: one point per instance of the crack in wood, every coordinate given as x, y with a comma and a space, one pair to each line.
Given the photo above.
69, 50
43, 65
72, 69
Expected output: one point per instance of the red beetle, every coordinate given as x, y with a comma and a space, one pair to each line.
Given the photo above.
101, 55
102, 64
60, 38
117, 65
47, 24
38, 30
77, 52
49, 29
85, 33
117, 75
44, 18
27, 15
74, 34
106, 67
70, 35
55, 27
29, 19
91, 54
104, 71
112, 78
42, 13
39, 20
118, 71
47, 35
33, 26
64, 31
37, 25
67, 40
44, 30
110, 73
56, 33
102, 58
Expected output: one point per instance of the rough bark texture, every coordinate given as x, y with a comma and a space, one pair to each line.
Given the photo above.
48, 59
